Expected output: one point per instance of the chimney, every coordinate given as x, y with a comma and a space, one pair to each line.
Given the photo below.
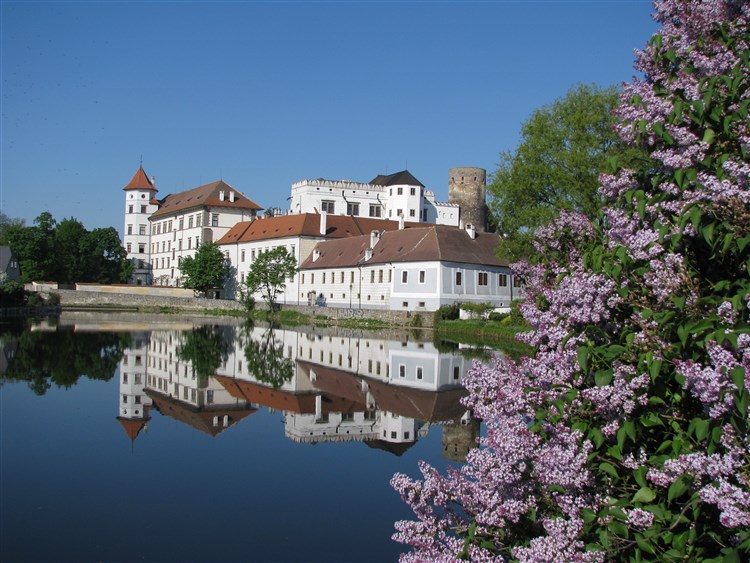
153, 181
472, 231
374, 238
316, 254
323, 223
221, 195
231, 196
368, 254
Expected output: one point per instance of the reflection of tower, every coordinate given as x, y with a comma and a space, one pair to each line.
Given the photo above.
134, 404
460, 437
466, 187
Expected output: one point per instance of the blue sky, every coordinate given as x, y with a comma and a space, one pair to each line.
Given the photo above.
262, 94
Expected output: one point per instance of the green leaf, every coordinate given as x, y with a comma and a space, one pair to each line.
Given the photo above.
603, 377
588, 515
708, 136
677, 489
583, 358
608, 468
644, 494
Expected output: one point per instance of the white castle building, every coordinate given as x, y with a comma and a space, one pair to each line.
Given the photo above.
159, 233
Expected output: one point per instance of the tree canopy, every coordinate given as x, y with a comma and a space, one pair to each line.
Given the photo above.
269, 272
66, 252
624, 435
207, 270
564, 147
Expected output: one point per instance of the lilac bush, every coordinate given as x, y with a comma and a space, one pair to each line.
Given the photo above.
625, 435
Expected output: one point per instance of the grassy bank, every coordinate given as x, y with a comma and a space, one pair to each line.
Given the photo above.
484, 333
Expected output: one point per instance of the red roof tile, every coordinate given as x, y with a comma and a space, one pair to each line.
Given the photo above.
206, 195
307, 224
140, 182
418, 244
133, 427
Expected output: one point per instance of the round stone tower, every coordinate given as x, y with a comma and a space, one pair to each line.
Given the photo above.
466, 187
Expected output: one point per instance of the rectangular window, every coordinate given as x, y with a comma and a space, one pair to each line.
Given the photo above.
130, 229
189, 242
413, 191
456, 372
143, 209
351, 277
404, 276
419, 372
327, 206
502, 280
182, 223
130, 208
214, 219
341, 277
242, 256
324, 277
375, 211
352, 209
190, 222
372, 276
380, 276
129, 247
421, 304
312, 278
412, 213
402, 370
142, 248
198, 220
421, 276
303, 278
141, 229
516, 282
400, 191
482, 278
458, 278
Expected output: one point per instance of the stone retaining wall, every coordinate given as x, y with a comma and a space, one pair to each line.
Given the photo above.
91, 299
69, 298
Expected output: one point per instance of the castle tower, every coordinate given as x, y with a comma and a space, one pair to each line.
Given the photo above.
133, 403
140, 203
466, 187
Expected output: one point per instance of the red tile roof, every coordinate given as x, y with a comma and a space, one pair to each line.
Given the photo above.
418, 244
200, 418
306, 224
140, 182
206, 195
133, 427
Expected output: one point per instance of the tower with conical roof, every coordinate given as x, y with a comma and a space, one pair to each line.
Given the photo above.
140, 203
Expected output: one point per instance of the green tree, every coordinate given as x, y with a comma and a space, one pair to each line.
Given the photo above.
6, 223
563, 149
34, 247
208, 269
266, 361
66, 252
206, 348
269, 272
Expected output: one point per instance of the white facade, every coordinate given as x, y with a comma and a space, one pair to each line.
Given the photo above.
344, 197
139, 205
178, 235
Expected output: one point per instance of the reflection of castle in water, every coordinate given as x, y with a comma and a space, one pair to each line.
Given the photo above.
330, 388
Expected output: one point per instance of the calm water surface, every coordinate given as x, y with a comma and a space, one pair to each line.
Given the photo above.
133, 439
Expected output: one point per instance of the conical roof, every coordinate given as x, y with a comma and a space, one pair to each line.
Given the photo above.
140, 181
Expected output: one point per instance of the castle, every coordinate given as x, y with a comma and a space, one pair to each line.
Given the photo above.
452, 247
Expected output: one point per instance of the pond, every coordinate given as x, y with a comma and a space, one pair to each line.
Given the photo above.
128, 438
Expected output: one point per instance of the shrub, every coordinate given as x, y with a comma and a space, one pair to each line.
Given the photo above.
624, 437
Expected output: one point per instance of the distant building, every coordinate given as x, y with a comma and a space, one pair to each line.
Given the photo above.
417, 269
385, 197
160, 233
140, 203
9, 269
298, 234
